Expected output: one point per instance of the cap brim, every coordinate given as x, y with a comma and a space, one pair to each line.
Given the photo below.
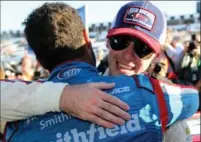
151, 42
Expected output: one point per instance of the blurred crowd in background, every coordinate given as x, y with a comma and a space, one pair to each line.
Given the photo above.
181, 58
19, 62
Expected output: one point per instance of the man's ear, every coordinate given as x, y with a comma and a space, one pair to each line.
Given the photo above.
89, 46
86, 38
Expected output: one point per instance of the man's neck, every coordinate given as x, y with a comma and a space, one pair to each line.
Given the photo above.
75, 60
73, 70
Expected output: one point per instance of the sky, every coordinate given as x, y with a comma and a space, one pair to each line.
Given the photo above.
13, 13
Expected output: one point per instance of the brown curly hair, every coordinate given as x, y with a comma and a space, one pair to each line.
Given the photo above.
55, 33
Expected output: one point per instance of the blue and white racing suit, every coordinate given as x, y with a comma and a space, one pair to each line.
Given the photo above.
137, 92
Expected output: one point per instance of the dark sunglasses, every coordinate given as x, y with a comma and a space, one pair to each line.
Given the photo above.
122, 41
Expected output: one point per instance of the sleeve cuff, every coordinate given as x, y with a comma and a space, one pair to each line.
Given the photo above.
49, 97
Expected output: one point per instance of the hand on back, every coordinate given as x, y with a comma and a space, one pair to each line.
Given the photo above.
88, 102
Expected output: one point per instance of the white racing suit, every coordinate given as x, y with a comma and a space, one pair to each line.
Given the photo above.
179, 132
20, 100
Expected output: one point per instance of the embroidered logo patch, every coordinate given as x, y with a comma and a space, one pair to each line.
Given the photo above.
140, 17
68, 73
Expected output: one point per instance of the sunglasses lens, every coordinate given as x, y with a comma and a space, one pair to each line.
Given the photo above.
119, 42
141, 49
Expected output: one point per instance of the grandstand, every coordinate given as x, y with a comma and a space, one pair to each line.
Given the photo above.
172, 21
190, 22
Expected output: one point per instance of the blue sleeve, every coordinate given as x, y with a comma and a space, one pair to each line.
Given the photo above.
190, 101
182, 101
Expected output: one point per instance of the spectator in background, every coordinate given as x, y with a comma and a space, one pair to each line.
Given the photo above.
186, 45
40, 72
100, 56
159, 66
190, 65
8, 48
174, 50
10, 72
195, 38
172, 55
27, 68
102, 67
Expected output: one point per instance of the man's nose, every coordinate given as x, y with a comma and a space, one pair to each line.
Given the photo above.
129, 54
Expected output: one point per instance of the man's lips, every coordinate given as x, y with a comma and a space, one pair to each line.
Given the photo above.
124, 66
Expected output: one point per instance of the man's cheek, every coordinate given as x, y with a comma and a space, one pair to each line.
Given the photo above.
142, 66
110, 60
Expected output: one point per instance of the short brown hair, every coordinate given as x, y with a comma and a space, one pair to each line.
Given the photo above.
52, 30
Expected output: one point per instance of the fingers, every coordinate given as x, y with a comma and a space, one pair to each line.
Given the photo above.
102, 85
108, 116
95, 106
109, 98
112, 109
115, 101
97, 120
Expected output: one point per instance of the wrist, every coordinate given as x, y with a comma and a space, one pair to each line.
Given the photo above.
62, 100
66, 101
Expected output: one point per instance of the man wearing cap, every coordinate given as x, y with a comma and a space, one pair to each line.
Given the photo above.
141, 27
73, 61
134, 40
